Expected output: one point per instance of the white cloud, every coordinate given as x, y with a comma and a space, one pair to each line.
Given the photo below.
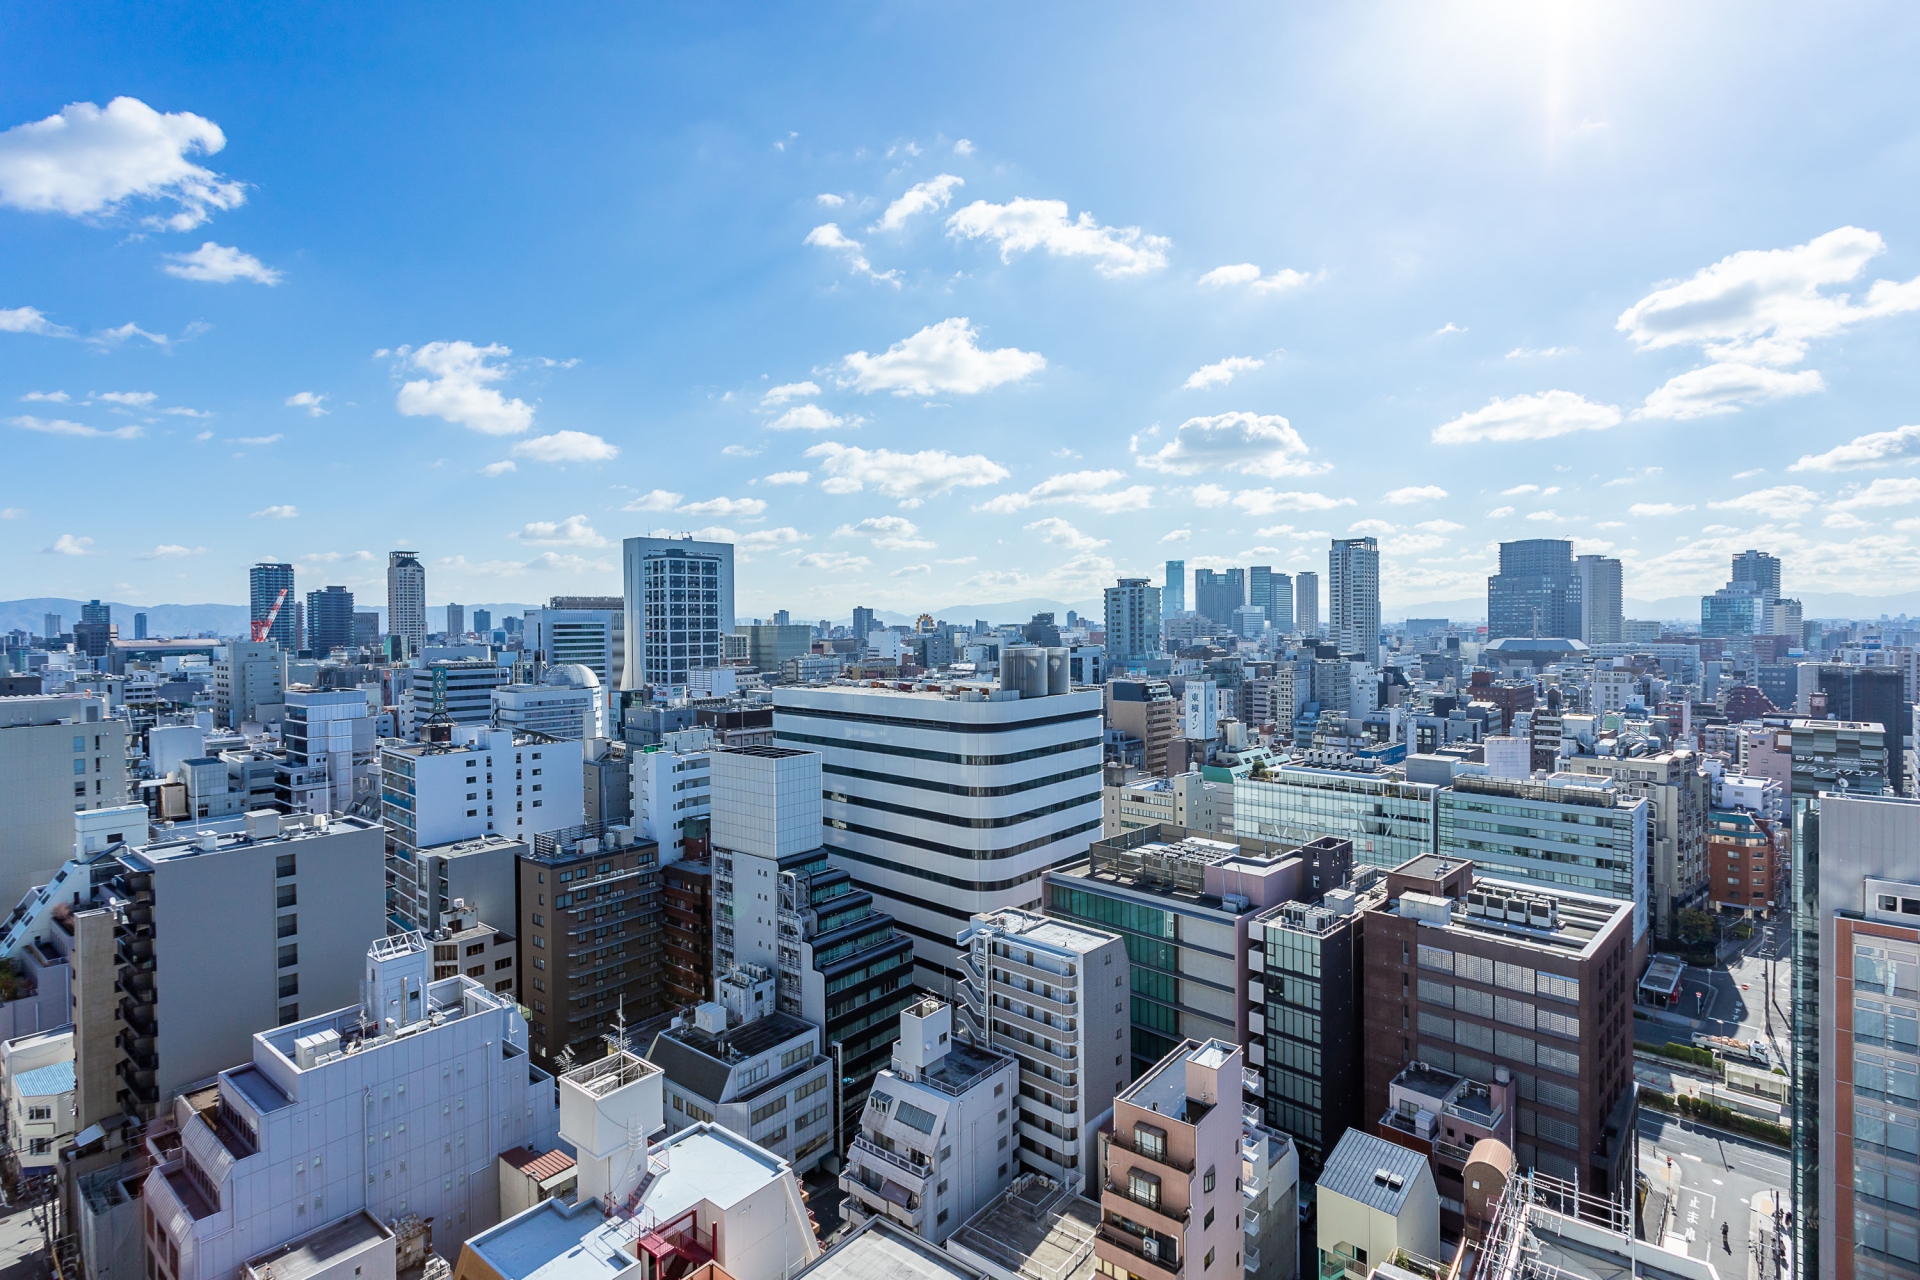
13, 513
1221, 373
911, 571
830, 237
941, 358
114, 337
786, 477
1264, 502
1061, 534
315, 403
1543, 515
1021, 225
1248, 274
1413, 493
1750, 473
725, 507
279, 512
1378, 528
1788, 500
1248, 443
889, 533
963, 148
1875, 449
767, 539
1528, 417
833, 561
1537, 353
220, 264
567, 446
1178, 535
656, 500
1288, 531
935, 193
574, 531
1499, 513
1883, 493
1448, 327
500, 468
1519, 489
789, 391
1765, 305
275, 438
62, 427
911, 478
458, 389
1724, 388
1077, 488
50, 397
740, 451
567, 562
171, 551
1210, 495
1439, 526
131, 399
1847, 520
828, 200
1644, 509
89, 160
809, 417
30, 320
68, 545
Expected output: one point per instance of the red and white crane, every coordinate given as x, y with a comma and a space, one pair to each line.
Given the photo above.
263, 625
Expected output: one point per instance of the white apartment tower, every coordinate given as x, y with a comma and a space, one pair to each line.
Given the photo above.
475, 781
1353, 596
679, 604
1601, 604
1133, 620
407, 599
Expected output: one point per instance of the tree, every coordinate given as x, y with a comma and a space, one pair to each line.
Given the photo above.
1695, 926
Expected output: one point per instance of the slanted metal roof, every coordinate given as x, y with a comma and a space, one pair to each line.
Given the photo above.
1354, 1169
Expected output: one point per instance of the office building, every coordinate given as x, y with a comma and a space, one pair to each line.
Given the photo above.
671, 797
1376, 1205
1260, 590
407, 601
1758, 573
300, 900
679, 606
1536, 592
589, 933
765, 1076
769, 647
1173, 590
139, 626
1569, 832
1873, 695
686, 932
482, 623
1040, 988
568, 702
1856, 1053
606, 788
1217, 595
424, 884
329, 738
456, 623
464, 943
1167, 1207
1182, 902
1133, 621
1353, 596
251, 680
261, 1160
59, 756
1305, 1048
265, 583
1388, 818
473, 781
588, 630
1839, 755
1146, 712
1678, 793
935, 1142
1601, 600
943, 805
95, 633
459, 690
366, 629
1200, 717
1497, 981
1186, 800
1306, 603
329, 620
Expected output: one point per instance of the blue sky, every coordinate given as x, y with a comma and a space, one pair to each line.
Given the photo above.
942, 304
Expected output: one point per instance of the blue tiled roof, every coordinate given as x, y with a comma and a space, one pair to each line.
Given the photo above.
43, 1082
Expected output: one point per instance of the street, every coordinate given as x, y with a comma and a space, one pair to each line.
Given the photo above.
1712, 1177
1732, 1001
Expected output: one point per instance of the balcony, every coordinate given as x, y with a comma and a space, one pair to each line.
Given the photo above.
1060, 1056
1134, 1256
1034, 1026
1067, 1008
1124, 1142
1155, 1214
1068, 1147
1011, 966
895, 1165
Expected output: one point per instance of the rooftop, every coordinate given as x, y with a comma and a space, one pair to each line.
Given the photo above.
878, 1250
1372, 1171
554, 1241
44, 1082
1034, 1229
1040, 930
289, 828
1163, 1088
962, 1064
317, 1251
707, 1162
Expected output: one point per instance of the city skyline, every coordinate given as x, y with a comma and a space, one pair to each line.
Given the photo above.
989, 395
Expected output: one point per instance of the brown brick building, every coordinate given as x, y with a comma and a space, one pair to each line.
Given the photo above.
1507, 986
1745, 866
686, 939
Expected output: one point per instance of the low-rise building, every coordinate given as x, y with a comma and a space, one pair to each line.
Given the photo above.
465, 944
1034, 1230
423, 884
1444, 1116
38, 1092
1270, 1184
1745, 866
1374, 1200
765, 1078
1184, 800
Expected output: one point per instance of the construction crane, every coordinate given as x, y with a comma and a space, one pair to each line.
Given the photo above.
263, 625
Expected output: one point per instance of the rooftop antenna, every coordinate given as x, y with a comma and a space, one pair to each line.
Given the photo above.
617, 1038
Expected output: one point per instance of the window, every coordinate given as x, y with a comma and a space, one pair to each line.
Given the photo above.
794, 1057
1207, 1221
290, 956
475, 948
1206, 1185
504, 962
288, 925
773, 1108
908, 1114
79, 766
754, 1074
38, 1146
39, 1113
1150, 1142
1207, 1261
478, 971
1144, 1189
289, 985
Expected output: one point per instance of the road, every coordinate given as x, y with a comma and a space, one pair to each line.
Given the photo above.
1732, 1001
1714, 1178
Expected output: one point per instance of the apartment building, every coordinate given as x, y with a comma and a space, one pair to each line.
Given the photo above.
297, 901
1270, 700
266, 1154
762, 1074
424, 884
252, 676
589, 931
329, 737
671, 795
1388, 818
1569, 831
1444, 1116
1173, 1202
1744, 871
945, 804
679, 608
468, 781
1678, 793
1041, 989
1182, 902
36, 1093
935, 1142
686, 933
58, 756
1479, 976
1147, 712
465, 944
1270, 1186
1184, 800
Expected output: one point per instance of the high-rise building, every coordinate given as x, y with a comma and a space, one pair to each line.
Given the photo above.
366, 629
1306, 603
329, 620
1217, 595
407, 600
1260, 589
1279, 602
1758, 573
1147, 712
944, 805
1353, 596
456, 689
686, 938
1601, 602
52, 626
265, 582
1873, 695
329, 737
483, 622
679, 608
95, 613
456, 623
1838, 755
59, 755
1133, 621
475, 781
588, 630
1173, 590
862, 623
1856, 1052
139, 626
1536, 592
1678, 794
254, 675
568, 702
771, 645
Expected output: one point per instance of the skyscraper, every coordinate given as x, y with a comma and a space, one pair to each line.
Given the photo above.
1747, 605
483, 621
1133, 620
1306, 603
1601, 606
456, 622
1260, 589
862, 623
1173, 594
1536, 592
95, 629
139, 626
679, 597
1217, 595
265, 582
1353, 596
1280, 602
407, 599
1759, 570
329, 620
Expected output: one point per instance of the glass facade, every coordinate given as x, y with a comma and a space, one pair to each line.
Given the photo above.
1152, 939
1586, 847
1312, 1043
1389, 819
